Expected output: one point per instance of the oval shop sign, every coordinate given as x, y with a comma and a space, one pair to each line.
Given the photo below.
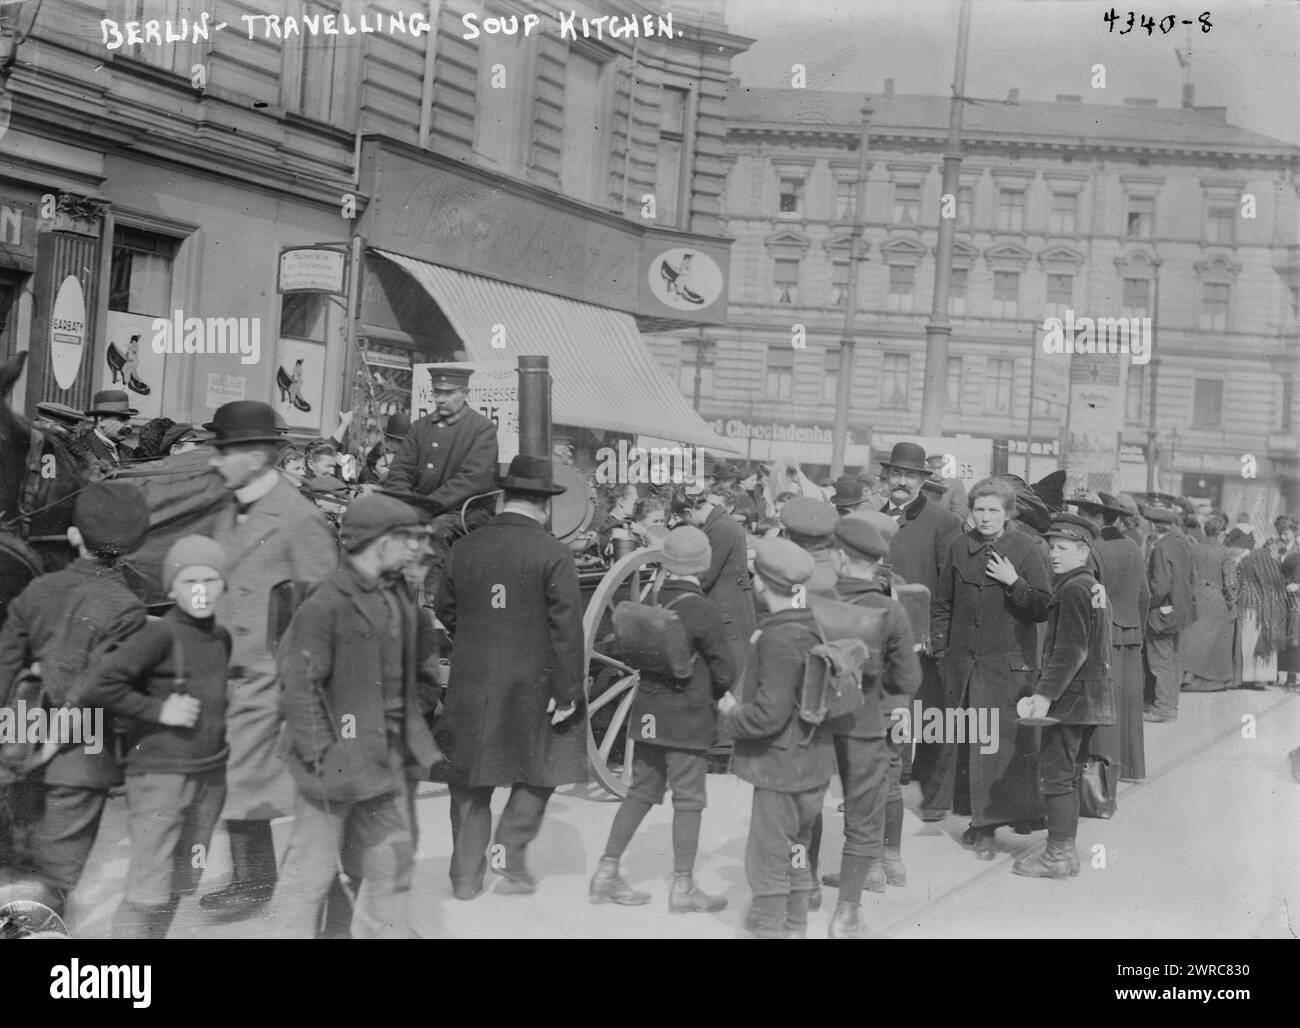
685, 279
68, 332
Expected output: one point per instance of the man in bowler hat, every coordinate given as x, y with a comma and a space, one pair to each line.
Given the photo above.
273, 536
112, 413
449, 456
512, 714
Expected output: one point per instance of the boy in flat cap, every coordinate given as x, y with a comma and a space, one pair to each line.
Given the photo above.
353, 662
170, 679
64, 621
810, 525
867, 750
788, 763
1074, 687
449, 455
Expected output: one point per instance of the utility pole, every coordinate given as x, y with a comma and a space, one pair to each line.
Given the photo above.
938, 329
844, 381
1154, 365
701, 344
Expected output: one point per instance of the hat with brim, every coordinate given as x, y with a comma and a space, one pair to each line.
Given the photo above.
243, 422
907, 457
449, 377
530, 475
397, 427
110, 402
174, 435
849, 492
1097, 503
60, 412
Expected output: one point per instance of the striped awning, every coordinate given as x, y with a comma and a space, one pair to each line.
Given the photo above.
603, 375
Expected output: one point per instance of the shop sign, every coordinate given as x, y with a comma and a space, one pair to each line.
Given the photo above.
68, 332
313, 269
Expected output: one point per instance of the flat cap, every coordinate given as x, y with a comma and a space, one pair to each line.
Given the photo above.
860, 538
782, 564
884, 524
369, 517
1163, 515
1071, 526
808, 517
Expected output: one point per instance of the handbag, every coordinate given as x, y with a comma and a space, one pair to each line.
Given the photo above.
1097, 788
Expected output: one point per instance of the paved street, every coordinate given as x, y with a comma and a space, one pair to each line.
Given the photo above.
1206, 847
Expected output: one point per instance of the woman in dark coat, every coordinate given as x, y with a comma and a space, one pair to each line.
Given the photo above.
1207, 654
993, 592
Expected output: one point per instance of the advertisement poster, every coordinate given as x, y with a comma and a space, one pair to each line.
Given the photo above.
300, 382
493, 392
1096, 420
131, 364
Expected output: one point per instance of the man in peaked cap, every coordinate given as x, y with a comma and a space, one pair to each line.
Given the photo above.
273, 536
513, 713
112, 412
60, 621
1074, 687
810, 524
449, 455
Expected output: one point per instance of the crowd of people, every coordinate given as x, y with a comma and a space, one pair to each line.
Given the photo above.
301, 666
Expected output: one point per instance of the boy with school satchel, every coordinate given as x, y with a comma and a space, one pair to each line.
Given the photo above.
672, 723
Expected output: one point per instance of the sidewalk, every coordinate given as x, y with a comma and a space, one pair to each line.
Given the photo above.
1206, 847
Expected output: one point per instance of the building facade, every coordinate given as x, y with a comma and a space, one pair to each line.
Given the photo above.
1108, 210
163, 153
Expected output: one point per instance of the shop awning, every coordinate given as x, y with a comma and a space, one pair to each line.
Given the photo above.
603, 374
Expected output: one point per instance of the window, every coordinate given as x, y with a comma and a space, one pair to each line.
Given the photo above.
498, 133
1214, 306
1011, 210
902, 287
957, 290
791, 195
953, 384
839, 283
1137, 297
780, 373
582, 165
1220, 225
785, 279
1207, 403
999, 377
318, 96
686, 364
140, 281
1006, 294
894, 384
1135, 400
965, 207
907, 203
673, 113
1060, 290
1139, 217
830, 376
1064, 213
302, 315
166, 55
846, 199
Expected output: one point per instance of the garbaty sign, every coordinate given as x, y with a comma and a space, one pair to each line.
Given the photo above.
433, 209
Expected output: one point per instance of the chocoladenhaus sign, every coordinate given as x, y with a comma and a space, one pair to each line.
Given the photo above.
437, 211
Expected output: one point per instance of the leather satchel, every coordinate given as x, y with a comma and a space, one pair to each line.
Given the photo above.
1097, 788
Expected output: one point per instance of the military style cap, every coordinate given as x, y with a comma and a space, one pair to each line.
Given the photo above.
782, 564
808, 517
1071, 526
859, 538
449, 377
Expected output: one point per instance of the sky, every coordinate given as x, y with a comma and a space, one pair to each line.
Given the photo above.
1249, 61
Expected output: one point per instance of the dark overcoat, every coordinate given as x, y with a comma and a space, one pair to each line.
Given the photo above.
900, 666
988, 635
1076, 654
1121, 569
1118, 564
921, 548
513, 607
1205, 650
726, 582
686, 718
331, 666
1172, 577
774, 749
447, 461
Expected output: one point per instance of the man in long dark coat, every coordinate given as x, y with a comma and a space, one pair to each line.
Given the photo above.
726, 582
448, 456
1173, 608
918, 555
512, 715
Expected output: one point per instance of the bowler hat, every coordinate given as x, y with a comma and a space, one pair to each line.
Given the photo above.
111, 401
725, 472
808, 517
449, 376
112, 517
530, 475
397, 426
243, 421
369, 517
860, 538
781, 564
60, 412
907, 457
687, 551
1071, 526
849, 492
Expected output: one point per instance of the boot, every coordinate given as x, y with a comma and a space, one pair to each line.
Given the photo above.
518, 882
608, 886
137, 921
796, 915
687, 898
253, 876
340, 904
891, 861
1053, 862
847, 923
766, 916
1072, 856
876, 878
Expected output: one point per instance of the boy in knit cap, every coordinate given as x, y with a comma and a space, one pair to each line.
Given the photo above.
788, 763
170, 677
672, 725
63, 621
810, 525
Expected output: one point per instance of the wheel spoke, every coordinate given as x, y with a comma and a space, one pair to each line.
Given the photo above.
617, 689
625, 774
608, 661
615, 726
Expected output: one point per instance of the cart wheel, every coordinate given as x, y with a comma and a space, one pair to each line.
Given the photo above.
611, 684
